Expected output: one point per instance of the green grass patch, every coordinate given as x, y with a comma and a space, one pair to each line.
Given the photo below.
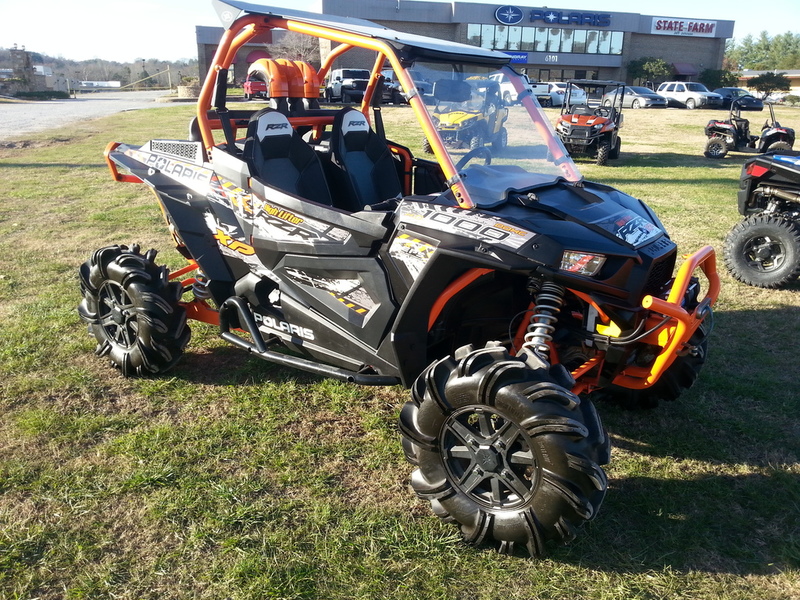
233, 478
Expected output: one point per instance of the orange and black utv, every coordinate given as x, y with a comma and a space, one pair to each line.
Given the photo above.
502, 289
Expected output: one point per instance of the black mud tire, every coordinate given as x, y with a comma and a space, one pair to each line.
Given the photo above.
500, 141
716, 147
779, 147
504, 451
763, 251
678, 378
426, 146
603, 153
133, 310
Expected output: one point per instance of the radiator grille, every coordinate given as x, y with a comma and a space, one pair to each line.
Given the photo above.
186, 150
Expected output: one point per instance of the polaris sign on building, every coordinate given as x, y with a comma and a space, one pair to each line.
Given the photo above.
549, 44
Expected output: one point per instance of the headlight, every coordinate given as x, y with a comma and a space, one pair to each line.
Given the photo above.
581, 262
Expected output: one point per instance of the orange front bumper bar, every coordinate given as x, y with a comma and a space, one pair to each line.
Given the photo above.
675, 334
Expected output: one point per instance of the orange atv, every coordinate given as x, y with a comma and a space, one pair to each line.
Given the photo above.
588, 129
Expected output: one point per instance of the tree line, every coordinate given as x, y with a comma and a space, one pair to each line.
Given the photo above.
151, 70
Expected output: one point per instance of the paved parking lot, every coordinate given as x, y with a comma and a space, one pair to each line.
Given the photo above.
20, 119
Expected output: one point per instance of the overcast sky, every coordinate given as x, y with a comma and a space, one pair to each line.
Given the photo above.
126, 30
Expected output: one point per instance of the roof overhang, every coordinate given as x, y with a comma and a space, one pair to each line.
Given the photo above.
407, 45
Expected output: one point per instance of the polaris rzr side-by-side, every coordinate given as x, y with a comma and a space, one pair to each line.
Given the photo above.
733, 135
503, 289
590, 127
763, 249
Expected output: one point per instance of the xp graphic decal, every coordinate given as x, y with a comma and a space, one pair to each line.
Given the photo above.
632, 228
479, 226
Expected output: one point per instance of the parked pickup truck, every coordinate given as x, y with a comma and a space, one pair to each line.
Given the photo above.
509, 94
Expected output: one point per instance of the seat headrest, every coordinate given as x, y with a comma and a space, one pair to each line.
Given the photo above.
270, 123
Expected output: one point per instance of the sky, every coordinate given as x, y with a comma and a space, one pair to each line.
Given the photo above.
129, 30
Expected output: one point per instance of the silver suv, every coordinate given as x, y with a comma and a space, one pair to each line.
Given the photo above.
689, 94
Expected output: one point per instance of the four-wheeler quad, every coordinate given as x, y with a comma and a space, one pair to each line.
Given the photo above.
733, 135
470, 120
592, 129
503, 291
764, 248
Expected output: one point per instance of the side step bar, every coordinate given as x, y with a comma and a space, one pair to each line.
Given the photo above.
246, 321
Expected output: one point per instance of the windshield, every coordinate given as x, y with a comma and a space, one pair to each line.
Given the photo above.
496, 147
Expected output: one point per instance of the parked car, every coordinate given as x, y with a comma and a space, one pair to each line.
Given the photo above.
689, 94
347, 85
636, 97
392, 90
540, 90
745, 99
558, 90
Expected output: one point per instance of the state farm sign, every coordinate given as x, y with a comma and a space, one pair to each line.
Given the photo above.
688, 27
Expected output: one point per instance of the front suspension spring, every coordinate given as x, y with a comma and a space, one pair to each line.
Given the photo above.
548, 303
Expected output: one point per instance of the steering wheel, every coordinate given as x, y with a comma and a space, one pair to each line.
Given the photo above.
602, 111
475, 152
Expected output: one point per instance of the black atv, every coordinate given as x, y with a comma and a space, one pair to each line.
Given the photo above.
763, 250
733, 135
502, 290
588, 126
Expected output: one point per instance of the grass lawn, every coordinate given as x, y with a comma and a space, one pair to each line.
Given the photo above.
233, 478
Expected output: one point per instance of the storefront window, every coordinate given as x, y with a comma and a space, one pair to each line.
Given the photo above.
540, 45
566, 40
604, 46
500, 37
545, 39
579, 41
528, 34
616, 42
514, 38
591, 42
554, 41
474, 34
487, 36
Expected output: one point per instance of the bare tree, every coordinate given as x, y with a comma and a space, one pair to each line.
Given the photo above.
296, 46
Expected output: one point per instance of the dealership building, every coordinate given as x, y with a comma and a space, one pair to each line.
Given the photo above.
549, 44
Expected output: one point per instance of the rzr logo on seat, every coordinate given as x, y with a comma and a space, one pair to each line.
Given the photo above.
277, 126
361, 123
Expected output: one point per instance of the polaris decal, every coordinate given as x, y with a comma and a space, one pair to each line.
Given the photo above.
192, 176
273, 324
412, 252
471, 224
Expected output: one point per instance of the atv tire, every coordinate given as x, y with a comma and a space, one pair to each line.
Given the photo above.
603, 153
476, 141
500, 141
716, 147
133, 310
780, 147
763, 251
503, 450
426, 146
